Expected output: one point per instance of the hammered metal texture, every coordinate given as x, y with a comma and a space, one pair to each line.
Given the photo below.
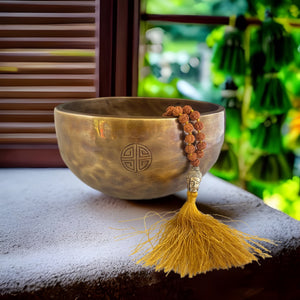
123, 147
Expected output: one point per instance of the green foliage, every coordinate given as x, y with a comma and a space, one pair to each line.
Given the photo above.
291, 128
150, 86
285, 197
280, 8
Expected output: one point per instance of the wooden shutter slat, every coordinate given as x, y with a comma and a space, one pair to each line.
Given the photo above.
26, 116
46, 80
33, 104
46, 18
74, 30
48, 43
47, 68
31, 138
49, 92
47, 55
50, 6
27, 127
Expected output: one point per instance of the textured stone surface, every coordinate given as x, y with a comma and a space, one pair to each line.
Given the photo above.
58, 240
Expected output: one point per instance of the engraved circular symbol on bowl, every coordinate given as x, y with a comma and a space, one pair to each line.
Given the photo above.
136, 158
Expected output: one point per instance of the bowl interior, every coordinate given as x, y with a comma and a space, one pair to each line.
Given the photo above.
132, 107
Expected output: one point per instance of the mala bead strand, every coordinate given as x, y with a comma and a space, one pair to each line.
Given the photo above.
195, 142
201, 145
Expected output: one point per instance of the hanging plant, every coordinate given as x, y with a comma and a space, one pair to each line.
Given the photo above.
233, 110
270, 96
227, 166
229, 54
270, 168
272, 47
266, 136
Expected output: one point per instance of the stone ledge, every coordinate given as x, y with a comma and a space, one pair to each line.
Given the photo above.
57, 241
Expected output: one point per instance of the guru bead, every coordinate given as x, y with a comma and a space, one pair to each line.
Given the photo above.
189, 139
188, 128
195, 115
189, 149
187, 109
198, 125
177, 111
184, 118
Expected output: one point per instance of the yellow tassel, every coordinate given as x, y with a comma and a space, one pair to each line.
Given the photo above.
192, 242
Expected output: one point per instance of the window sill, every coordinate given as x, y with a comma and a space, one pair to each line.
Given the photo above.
58, 241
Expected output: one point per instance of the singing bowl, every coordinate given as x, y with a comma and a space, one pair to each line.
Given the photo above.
123, 147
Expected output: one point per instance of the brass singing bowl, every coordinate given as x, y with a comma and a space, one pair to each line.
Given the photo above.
123, 147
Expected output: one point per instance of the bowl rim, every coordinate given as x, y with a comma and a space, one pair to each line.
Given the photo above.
62, 107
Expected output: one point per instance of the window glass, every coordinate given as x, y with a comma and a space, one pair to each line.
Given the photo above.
176, 62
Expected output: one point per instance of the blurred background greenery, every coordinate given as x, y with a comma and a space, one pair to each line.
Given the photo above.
253, 70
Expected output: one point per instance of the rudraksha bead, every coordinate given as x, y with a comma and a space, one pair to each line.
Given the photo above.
184, 118
192, 156
195, 115
188, 128
189, 149
187, 109
198, 125
200, 153
189, 139
200, 136
195, 163
169, 111
177, 111
201, 145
